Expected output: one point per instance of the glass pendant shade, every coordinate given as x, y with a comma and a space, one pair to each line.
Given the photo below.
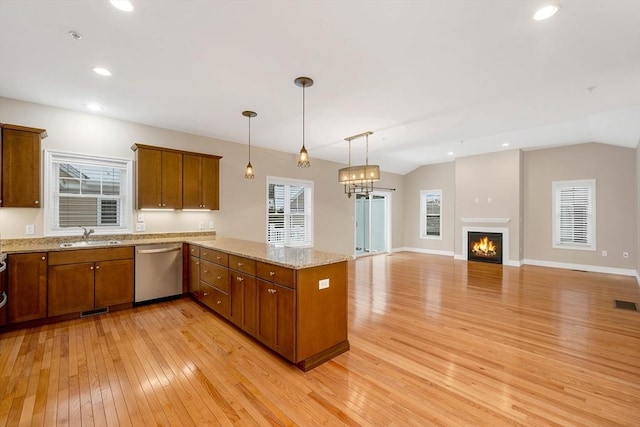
248, 171
303, 157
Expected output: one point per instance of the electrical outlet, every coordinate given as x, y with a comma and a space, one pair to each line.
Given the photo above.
211, 225
140, 217
604, 253
625, 254
140, 226
201, 225
30, 229
323, 284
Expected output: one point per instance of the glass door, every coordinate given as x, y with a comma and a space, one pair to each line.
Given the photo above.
372, 223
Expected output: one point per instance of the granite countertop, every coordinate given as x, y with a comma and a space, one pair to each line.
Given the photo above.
296, 258
291, 257
51, 244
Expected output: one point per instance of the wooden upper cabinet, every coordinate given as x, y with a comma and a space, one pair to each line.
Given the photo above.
20, 160
173, 179
200, 182
159, 178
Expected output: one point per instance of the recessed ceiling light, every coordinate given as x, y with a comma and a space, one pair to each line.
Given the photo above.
75, 35
450, 153
123, 5
102, 71
546, 12
95, 107
505, 144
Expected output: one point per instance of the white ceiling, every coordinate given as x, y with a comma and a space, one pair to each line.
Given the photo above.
427, 77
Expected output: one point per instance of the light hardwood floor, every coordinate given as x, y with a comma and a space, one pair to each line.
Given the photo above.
433, 342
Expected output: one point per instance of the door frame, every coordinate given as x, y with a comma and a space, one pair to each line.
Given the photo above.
387, 213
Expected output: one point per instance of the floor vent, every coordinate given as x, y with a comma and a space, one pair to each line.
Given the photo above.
626, 305
94, 312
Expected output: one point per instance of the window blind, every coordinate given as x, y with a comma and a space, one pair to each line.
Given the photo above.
574, 214
289, 217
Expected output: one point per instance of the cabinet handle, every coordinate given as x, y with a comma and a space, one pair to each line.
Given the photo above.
219, 302
160, 205
271, 291
37, 202
97, 267
217, 257
197, 262
204, 294
205, 271
240, 264
272, 273
43, 258
91, 268
219, 277
164, 204
205, 253
239, 279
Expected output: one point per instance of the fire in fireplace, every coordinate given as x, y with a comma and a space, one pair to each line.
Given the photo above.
485, 247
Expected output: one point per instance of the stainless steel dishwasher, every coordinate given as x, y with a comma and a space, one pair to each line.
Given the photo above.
158, 272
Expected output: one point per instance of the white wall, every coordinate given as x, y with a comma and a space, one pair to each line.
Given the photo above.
242, 202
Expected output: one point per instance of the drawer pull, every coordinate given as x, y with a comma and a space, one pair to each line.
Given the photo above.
271, 291
97, 267
205, 271
240, 264
219, 277
272, 273
218, 257
239, 279
205, 253
204, 294
219, 302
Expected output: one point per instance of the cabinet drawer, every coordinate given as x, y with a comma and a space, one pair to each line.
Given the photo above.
214, 299
277, 274
245, 265
90, 255
214, 275
194, 251
214, 256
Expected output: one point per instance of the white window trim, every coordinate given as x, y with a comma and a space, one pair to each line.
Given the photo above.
290, 181
423, 214
555, 187
50, 190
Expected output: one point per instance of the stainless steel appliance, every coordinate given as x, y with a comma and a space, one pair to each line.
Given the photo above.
158, 272
3, 289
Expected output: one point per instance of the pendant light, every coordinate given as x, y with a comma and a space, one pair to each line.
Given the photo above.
303, 157
359, 179
248, 172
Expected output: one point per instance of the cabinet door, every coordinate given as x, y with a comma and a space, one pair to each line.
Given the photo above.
71, 288
276, 317
171, 180
113, 282
243, 305
20, 168
148, 183
210, 183
194, 276
27, 287
214, 299
191, 181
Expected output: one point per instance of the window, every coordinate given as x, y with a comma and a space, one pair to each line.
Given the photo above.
289, 212
87, 191
431, 214
574, 225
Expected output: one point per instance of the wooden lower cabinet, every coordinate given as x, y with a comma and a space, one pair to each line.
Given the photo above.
194, 276
88, 279
244, 299
113, 282
276, 317
27, 287
71, 288
282, 307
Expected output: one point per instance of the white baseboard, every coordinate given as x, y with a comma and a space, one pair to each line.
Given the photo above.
423, 251
638, 277
585, 267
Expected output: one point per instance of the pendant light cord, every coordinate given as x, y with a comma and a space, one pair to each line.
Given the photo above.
304, 85
249, 139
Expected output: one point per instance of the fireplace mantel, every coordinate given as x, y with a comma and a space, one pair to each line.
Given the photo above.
485, 220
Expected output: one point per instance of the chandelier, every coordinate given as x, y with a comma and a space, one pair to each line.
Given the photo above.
359, 179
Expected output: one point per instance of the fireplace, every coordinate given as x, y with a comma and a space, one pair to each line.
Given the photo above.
484, 247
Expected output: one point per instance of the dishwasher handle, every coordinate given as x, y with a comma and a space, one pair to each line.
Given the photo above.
158, 251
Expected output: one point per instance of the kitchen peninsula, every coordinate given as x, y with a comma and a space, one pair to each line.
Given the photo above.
293, 300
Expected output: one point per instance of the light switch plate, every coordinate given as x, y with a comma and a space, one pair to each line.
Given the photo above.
140, 226
140, 217
323, 284
30, 229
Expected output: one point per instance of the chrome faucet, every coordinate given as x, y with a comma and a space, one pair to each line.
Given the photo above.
86, 233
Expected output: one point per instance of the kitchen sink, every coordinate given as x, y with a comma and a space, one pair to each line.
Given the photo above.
90, 243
